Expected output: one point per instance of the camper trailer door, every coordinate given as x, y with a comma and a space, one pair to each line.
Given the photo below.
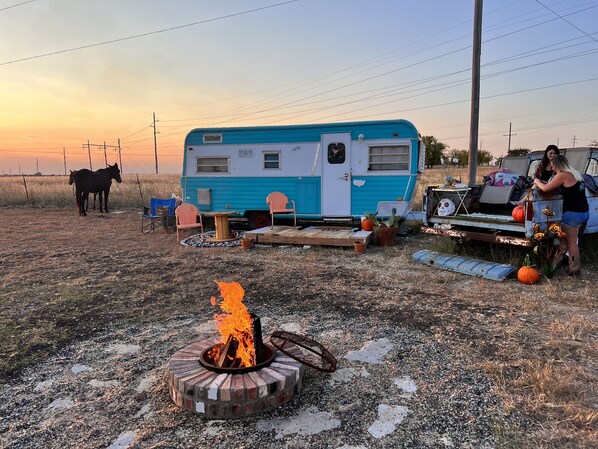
336, 175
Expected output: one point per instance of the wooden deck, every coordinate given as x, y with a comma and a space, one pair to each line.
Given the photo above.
311, 235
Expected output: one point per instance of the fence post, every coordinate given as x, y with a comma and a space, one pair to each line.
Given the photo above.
140, 192
25, 184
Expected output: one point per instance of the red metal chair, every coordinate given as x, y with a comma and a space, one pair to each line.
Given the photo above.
279, 204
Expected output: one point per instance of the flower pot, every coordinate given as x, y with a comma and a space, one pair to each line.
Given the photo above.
246, 243
387, 236
359, 247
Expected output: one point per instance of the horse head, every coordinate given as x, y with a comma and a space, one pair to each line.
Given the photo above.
114, 172
72, 177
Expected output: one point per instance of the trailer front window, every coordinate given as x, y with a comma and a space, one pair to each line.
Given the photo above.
272, 160
388, 157
212, 165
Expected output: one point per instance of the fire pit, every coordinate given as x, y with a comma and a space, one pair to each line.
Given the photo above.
237, 375
213, 394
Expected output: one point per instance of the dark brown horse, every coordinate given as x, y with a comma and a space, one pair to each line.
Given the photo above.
99, 181
72, 181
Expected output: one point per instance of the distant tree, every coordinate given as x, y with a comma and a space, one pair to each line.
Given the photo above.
434, 150
594, 143
518, 152
458, 158
484, 157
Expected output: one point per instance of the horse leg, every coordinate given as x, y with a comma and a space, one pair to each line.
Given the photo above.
94, 201
101, 200
79, 196
106, 192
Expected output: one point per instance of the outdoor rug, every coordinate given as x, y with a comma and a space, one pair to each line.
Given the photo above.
198, 241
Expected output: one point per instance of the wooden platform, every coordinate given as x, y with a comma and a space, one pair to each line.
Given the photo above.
311, 235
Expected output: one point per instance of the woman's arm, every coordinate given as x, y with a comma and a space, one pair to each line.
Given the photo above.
554, 184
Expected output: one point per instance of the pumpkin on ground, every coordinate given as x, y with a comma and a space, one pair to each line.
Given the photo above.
527, 274
518, 214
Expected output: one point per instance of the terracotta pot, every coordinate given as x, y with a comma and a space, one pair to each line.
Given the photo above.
359, 247
246, 243
387, 236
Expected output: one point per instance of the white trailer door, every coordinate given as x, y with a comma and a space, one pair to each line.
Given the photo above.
336, 175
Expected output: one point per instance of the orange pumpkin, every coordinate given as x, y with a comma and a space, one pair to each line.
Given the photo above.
527, 274
367, 224
518, 214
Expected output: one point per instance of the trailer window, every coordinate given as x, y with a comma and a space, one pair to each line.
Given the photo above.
388, 157
593, 168
212, 138
336, 153
271, 160
212, 165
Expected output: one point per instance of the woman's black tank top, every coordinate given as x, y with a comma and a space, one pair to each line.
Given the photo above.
574, 198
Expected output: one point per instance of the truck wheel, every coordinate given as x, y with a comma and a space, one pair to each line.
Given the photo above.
259, 220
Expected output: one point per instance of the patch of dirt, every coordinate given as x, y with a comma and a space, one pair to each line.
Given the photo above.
92, 310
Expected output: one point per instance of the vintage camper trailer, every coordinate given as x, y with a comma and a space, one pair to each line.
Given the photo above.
331, 171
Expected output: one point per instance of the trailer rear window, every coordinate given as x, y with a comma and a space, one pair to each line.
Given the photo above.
388, 157
212, 165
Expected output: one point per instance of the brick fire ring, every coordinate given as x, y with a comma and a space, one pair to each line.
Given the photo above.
222, 395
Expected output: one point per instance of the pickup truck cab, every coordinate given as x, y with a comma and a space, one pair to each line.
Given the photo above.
483, 212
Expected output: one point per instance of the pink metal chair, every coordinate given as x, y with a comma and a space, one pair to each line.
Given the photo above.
279, 204
187, 217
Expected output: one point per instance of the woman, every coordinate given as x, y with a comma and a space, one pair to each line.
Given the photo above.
575, 207
543, 171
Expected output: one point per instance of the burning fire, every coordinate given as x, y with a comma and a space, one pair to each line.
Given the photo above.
234, 325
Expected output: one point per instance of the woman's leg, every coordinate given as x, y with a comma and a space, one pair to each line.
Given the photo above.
571, 233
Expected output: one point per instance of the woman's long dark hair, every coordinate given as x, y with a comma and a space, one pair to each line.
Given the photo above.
545, 162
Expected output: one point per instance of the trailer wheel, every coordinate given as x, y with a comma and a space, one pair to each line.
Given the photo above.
258, 220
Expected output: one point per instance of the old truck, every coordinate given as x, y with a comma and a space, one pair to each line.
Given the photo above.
483, 212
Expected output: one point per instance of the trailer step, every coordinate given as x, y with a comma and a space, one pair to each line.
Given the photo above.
465, 265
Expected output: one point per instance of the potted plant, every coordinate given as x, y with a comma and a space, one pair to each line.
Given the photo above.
386, 230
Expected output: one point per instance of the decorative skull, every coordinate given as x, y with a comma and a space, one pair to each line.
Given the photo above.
446, 207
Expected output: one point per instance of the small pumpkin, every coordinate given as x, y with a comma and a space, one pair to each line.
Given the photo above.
367, 224
527, 274
518, 214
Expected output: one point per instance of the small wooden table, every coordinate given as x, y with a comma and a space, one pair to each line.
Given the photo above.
221, 225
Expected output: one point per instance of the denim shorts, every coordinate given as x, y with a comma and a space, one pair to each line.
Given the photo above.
575, 219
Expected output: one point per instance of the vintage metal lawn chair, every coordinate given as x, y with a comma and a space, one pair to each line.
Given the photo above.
160, 211
279, 204
187, 217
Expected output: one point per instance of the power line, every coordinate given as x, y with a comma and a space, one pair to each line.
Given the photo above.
135, 36
18, 4
562, 18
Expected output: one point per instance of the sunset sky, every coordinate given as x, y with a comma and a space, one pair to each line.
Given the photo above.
79, 71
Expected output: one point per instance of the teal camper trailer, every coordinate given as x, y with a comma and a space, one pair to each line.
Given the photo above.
332, 171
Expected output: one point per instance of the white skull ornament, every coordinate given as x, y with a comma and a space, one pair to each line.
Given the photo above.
446, 207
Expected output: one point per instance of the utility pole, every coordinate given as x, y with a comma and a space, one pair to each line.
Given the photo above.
89, 154
64, 156
510, 134
155, 143
105, 157
574, 140
120, 159
475, 91
36, 166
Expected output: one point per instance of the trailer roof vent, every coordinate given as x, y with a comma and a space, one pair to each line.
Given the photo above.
212, 138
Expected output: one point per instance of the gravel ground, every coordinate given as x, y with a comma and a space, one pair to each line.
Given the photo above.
414, 344
392, 388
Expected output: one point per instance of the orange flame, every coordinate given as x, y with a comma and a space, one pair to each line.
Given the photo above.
235, 322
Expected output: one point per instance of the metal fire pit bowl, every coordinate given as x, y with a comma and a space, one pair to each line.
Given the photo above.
267, 358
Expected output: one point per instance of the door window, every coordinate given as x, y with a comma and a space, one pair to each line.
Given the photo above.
336, 153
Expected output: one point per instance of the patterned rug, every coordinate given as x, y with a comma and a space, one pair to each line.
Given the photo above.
198, 241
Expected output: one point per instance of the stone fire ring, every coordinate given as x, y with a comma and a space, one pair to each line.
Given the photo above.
222, 395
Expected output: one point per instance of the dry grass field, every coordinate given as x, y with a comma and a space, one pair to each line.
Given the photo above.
71, 285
